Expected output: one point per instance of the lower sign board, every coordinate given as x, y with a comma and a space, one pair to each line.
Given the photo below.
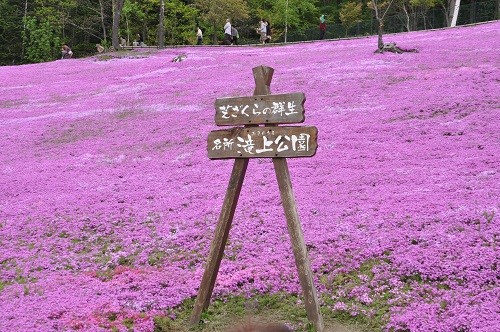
263, 142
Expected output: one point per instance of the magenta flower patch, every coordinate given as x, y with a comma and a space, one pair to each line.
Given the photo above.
108, 201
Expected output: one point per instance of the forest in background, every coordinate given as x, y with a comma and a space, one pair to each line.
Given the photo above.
33, 30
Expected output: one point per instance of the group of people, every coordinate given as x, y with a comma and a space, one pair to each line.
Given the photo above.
231, 34
264, 30
139, 41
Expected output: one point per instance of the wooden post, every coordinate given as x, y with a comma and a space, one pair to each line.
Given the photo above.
263, 76
298, 243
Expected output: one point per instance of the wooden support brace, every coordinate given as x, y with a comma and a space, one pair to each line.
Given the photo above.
220, 239
298, 243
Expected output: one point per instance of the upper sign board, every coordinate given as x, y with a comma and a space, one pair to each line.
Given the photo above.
260, 109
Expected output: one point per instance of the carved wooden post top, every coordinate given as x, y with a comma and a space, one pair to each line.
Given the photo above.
262, 76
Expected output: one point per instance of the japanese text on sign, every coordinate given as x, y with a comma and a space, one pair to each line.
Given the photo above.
279, 108
262, 142
286, 108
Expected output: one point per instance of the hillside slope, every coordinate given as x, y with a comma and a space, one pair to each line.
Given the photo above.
108, 202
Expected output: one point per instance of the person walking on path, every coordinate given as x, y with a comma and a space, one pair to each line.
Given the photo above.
199, 36
268, 32
66, 52
263, 31
140, 40
234, 35
322, 27
227, 32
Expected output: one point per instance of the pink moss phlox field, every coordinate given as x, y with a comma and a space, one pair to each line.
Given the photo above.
108, 202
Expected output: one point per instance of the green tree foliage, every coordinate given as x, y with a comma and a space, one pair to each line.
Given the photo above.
299, 14
414, 12
55, 12
43, 31
419, 8
33, 30
41, 40
295, 15
142, 16
180, 23
350, 14
132, 16
88, 24
11, 27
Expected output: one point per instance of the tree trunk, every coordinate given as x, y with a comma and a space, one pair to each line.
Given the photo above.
472, 12
454, 12
380, 33
446, 13
214, 35
380, 20
407, 18
104, 38
117, 12
161, 26
414, 22
24, 26
128, 30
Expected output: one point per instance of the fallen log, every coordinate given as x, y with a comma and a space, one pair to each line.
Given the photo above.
392, 47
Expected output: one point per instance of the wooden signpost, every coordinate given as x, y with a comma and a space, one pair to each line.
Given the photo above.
254, 141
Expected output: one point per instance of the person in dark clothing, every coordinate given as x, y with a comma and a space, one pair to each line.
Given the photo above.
234, 35
268, 32
140, 41
322, 27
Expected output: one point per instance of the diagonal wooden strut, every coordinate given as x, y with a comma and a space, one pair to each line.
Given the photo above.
263, 76
220, 239
298, 243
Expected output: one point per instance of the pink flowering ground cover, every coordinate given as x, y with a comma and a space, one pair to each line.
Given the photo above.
108, 202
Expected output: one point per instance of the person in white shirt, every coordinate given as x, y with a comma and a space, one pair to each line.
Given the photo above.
227, 33
263, 31
199, 36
